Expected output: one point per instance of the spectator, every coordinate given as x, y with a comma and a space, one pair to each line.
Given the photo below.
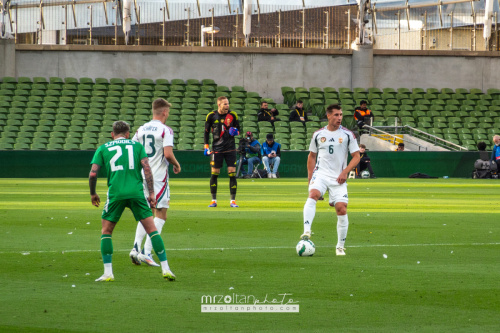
495, 154
298, 113
364, 162
252, 152
271, 155
483, 154
401, 147
267, 115
362, 115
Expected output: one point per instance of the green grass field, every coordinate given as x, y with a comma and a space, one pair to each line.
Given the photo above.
440, 237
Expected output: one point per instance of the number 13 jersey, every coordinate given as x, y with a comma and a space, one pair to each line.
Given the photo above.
332, 149
154, 136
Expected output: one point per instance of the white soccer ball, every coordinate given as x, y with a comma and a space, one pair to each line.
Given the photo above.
365, 174
305, 248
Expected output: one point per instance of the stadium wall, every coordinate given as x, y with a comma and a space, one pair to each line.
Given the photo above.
56, 164
263, 70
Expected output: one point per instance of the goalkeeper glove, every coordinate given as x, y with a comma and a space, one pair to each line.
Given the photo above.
207, 151
233, 131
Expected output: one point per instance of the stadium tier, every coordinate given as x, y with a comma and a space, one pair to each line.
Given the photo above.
76, 114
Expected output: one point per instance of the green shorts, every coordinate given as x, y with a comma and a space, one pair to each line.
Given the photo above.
113, 209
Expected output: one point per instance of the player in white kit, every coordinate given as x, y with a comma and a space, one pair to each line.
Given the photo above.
158, 140
328, 170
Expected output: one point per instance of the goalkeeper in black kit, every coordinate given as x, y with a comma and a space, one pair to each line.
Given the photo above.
224, 126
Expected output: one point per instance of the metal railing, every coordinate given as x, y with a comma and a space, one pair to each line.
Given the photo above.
410, 27
406, 129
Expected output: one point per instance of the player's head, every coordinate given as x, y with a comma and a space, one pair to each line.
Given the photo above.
161, 108
334, 115
263, 105
496, 140
362, 148
223, 104
120, 129
363, 104
401, 146
300, 103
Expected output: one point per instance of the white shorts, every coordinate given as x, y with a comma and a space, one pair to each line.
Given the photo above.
336, 192
162, 191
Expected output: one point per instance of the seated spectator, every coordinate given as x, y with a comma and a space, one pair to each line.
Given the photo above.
401, 147
267, 115
364, 162
271, 155
251, 154
495, 154
483, 154
362, 115
298, 113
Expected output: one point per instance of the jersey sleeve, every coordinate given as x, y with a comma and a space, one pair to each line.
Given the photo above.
353, 144
168, 139
236, 121
208, 128
313, 146
98, 158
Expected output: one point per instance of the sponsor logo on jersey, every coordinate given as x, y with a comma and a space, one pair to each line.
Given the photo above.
323, 139
333, 140
307, 222
345, 195
341, 140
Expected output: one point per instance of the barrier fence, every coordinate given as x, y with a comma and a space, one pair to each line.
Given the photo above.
456, 26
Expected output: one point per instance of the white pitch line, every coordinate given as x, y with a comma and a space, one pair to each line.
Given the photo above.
258, 248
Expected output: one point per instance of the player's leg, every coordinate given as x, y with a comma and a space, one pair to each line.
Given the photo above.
110, 215
316, 190
159, 221
369, 167
140, 233
142, 212
216, 164
231, 170
339, 199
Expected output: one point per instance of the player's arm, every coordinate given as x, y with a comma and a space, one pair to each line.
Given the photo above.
168, 152
94, 171
354, 162
311, 163
148, 174
208, 129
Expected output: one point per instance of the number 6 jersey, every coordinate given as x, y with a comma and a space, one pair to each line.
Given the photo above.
154, 136
332, 149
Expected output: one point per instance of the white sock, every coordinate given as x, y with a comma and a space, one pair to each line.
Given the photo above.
164, 265
342, 225
140, 233
148, 246
108, 269
309, 212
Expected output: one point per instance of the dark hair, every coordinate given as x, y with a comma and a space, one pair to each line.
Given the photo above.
263, 103
363, 102
481, 146
121, 127
332, 107
401, 144
270, 136
362, 146
160, 103
299, 101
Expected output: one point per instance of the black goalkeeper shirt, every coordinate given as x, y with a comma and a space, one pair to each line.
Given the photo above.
218, 125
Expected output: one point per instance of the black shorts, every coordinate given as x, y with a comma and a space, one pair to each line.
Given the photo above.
218, 159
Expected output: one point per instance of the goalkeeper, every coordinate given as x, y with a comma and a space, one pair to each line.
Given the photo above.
224, 126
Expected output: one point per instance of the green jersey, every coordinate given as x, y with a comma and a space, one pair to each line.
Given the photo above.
122, 160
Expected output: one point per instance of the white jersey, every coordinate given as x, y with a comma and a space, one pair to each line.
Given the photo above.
155, 135
332, 149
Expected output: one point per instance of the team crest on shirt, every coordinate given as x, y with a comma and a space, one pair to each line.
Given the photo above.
323, 139
340, 140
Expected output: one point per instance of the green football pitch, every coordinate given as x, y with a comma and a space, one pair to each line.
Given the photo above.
422, 256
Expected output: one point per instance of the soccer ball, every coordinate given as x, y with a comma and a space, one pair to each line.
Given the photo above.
365, 174
305, 248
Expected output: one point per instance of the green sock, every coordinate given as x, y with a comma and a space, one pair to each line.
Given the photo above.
158, 245
106, 248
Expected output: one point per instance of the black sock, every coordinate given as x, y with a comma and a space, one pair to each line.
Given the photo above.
213, 185
232, 185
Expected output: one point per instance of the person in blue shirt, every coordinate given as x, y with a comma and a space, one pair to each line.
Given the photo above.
495, 154
271, 155
252, 154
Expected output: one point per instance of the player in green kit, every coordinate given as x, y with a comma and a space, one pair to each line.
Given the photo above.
123, 160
